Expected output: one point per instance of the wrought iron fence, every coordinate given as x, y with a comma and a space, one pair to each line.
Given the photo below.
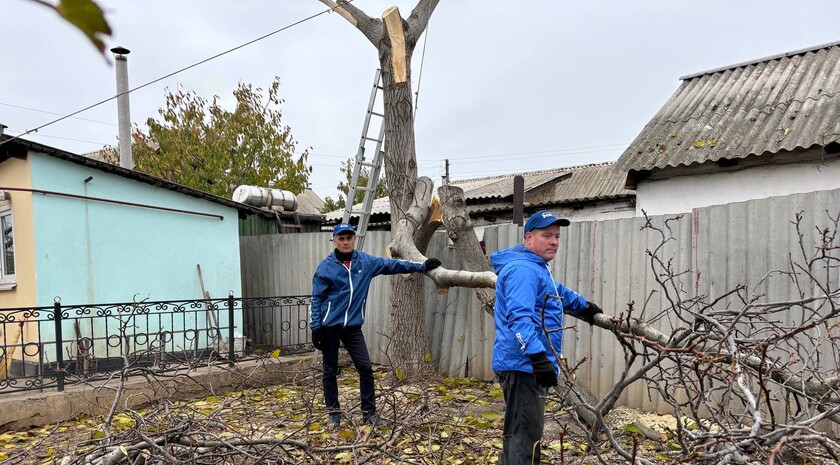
50, 347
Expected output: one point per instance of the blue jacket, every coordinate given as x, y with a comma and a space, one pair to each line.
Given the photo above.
339, 293
524, 280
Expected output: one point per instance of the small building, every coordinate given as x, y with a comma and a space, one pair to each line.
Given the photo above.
88, 231
762, 128
580, 193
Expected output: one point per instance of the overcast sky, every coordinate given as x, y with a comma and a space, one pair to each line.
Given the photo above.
507, 86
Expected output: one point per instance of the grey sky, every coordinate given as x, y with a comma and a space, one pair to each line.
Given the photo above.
507, 86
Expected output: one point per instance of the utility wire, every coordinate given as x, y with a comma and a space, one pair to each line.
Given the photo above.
422, 59
57, 114
101, 144
296, 23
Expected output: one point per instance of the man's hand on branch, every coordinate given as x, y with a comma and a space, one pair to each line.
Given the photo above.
588, 313
431, 263
543, 370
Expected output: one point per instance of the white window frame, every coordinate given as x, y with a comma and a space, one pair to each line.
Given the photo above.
8, 281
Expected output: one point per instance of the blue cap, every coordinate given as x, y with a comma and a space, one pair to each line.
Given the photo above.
543, 219
343, 227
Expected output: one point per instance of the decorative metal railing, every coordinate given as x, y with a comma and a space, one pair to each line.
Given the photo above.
51, 347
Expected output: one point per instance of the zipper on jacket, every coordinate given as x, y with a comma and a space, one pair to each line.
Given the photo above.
329, 304
350, 303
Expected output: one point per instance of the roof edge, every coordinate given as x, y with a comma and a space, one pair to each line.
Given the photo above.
140, 176
800, 51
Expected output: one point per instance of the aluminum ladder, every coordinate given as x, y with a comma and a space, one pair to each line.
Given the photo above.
375, 166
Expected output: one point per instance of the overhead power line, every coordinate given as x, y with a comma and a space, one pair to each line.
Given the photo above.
296, 23
54, 113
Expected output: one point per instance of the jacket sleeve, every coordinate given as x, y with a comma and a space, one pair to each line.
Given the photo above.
319, 292
521, 286
572, 301
382, 265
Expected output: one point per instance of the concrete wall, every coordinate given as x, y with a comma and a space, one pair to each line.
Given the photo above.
683, 193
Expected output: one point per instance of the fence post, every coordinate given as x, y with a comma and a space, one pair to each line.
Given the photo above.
59, 342
231, 340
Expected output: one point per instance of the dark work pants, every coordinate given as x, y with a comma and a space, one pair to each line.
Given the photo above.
354, 343
524, 410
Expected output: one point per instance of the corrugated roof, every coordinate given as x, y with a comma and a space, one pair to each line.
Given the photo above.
592, 182
574, 184
309, 203
786, 102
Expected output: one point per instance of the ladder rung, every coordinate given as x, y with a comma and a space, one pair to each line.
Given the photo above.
372, 139
377, 114
359, 212
364, 189
369, 165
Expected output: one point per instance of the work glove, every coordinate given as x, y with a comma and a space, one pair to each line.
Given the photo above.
318, 338
431, 263
588, 313
543, 370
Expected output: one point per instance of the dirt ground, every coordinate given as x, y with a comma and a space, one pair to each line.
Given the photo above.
430, 420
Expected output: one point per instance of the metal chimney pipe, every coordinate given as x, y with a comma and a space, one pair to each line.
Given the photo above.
123, 107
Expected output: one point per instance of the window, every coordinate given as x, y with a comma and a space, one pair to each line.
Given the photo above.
7, 241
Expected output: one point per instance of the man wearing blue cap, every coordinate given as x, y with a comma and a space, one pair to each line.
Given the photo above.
339, 291
524, 357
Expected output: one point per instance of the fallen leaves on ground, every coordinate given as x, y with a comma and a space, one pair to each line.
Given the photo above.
435, 420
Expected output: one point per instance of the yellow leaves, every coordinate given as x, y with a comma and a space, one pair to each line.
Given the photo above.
123, 422
705, 143
276, 353
560, 445
347, 434
491, 415
632, 428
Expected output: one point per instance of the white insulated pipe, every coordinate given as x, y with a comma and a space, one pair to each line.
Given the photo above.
123, 107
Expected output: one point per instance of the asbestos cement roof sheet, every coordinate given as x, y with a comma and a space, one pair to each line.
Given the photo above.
572, 184
781, 103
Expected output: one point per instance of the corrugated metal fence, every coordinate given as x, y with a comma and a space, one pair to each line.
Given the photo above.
605, 261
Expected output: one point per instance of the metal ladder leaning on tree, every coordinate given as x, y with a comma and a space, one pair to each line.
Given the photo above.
360, 164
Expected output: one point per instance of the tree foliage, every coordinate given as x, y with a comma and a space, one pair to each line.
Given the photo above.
346, 169
200, 144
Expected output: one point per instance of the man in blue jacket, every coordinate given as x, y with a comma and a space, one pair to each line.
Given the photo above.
524, 358
339, 291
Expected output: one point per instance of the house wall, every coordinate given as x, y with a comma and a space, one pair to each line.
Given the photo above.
94, 252
683, 193
15, 173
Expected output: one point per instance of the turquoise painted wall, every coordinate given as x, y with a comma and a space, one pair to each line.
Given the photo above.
90, 251
95, 252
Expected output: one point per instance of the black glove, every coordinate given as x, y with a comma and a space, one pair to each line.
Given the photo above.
589, 312
543, 370
431, 263
318, 338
